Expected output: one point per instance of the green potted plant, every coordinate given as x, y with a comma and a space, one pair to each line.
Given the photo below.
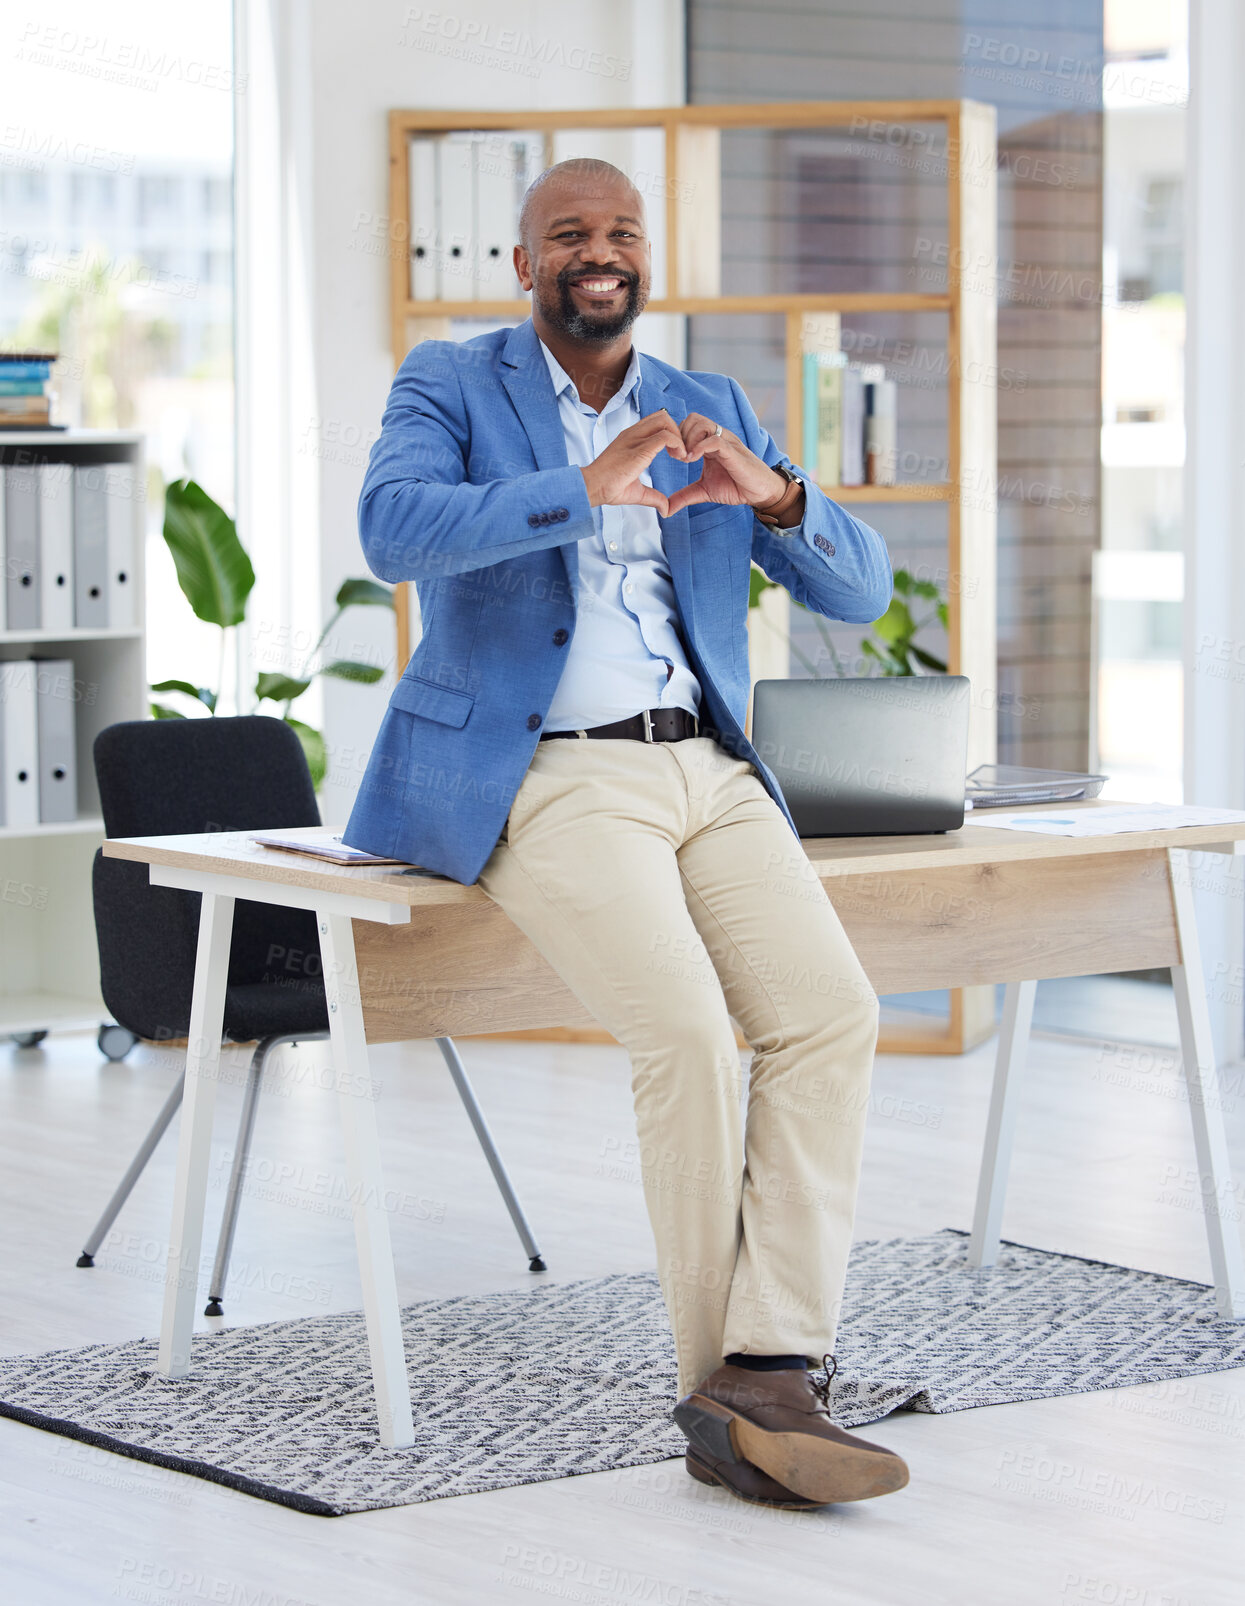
216, 578
891, 646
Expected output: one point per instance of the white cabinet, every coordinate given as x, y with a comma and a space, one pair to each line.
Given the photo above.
49, 964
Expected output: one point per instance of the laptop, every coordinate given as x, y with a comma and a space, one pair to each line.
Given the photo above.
867, 757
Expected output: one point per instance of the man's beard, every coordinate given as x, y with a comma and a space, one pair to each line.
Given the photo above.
563, 315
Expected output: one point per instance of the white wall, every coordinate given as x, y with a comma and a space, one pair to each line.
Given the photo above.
1214, 614
338, 70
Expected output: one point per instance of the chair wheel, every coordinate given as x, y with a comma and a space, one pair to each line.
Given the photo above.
28, 1039
115, 1042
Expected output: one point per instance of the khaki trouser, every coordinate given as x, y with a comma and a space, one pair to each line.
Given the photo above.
664, 886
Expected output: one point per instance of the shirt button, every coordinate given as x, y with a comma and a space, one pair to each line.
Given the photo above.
560, 638
533, 722
628, 588
613, 546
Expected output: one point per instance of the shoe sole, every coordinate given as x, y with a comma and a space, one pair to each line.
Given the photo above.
819, 1469
704, 1473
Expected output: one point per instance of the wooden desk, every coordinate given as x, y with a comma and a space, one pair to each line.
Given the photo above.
409, 956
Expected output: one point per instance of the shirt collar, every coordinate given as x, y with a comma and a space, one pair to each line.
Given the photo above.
562, 380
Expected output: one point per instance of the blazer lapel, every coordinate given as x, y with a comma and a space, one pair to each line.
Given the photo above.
525, 376
670, 476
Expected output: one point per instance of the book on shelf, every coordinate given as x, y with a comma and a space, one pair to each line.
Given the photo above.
848, 427
25, 377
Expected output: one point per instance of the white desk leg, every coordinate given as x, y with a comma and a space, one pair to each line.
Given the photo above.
363, 1179
1210, 1141
207, 1013
983, 1243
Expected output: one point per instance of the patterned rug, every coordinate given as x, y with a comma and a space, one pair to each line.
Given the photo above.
546, 1382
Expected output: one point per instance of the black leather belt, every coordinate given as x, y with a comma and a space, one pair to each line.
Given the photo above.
652, 725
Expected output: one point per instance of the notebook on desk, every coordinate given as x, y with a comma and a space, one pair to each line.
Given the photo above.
867, 757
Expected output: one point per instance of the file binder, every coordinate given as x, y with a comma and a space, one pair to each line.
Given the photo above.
496, 218
120, 487
19, 787
456, 194
90, 548
21, 557
424, 240
56, 545
55, 708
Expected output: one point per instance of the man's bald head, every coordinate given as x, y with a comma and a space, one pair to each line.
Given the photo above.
585, 178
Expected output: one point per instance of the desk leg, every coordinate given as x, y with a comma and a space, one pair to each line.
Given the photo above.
363, 1179
983, 1244
1210, 1141
207, 1015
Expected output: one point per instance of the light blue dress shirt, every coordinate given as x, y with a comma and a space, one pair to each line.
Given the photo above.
626, 654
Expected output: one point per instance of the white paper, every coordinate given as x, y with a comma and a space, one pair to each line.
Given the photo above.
1109, 820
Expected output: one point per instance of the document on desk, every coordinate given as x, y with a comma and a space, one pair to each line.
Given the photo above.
1109, 820
321, 845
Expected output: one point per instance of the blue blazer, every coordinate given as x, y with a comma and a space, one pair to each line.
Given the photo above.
469, 494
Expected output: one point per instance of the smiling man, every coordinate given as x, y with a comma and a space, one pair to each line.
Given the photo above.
580, 521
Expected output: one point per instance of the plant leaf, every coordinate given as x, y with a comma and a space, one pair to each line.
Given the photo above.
280, 688
213, 569
943, 615
159, 711
313, 750
346, 669
757, 583
363, 593
928, 659
925, 588
903, 582
201, 694
896, 623
176, 685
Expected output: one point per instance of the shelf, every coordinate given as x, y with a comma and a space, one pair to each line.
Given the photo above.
913, 492
753, 114
18, 637
43, 1012
84, 825
899, 301
70, 437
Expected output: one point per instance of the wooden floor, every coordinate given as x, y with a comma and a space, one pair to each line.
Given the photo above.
1135, 1495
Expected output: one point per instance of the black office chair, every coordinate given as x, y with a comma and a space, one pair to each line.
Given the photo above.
186, 776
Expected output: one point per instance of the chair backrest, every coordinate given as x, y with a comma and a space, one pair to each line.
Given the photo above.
164, 777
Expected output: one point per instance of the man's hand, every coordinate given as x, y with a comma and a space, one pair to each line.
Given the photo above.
731, 475
613, 479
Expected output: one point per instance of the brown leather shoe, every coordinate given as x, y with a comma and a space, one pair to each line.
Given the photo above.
746, 1482
780, 1421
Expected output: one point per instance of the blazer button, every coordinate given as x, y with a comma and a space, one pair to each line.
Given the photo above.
560, 638
561, 514
533, 519
533, 722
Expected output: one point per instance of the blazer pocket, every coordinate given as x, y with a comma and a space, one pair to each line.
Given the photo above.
425, 698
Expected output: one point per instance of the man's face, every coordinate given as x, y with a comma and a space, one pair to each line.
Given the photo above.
589, 265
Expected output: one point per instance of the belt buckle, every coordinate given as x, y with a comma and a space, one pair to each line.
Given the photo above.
648, 725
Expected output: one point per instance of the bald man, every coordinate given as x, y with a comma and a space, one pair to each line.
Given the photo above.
581, 521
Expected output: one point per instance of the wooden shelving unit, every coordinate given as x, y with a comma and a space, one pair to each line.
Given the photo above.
692, 276
49, 963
